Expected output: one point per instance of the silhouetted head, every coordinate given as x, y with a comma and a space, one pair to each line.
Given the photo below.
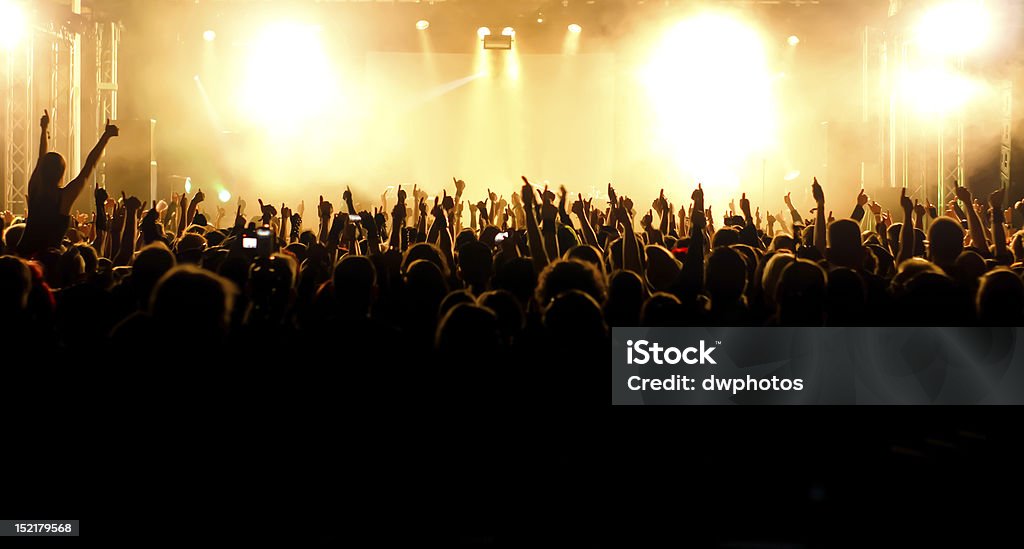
355, 284
475, 265
188, 297
726, 236
946, 241
468, 330
772, 274
586, 253
662, 310
511, 318
801, 294
51, 168
518, 276
428, 252
15, 284
271, 280
1000, 299
455, 297
626, 295
662, 268
563, 275
969, 267
844, 244
726, 275
575, 316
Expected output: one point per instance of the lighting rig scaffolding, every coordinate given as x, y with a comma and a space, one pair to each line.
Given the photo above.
44, 71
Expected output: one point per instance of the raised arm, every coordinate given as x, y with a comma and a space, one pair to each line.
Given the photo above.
998, 218
820, 225
907, 231
71, 191
858, 210
44, 125
533, 237
974, 225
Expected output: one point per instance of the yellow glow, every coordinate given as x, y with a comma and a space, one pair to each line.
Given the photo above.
508, 31
483, 31
209, 36
289, 79
13, 24
793, 40
423, 24
957, 27
224, 195
936, 90
575, 28
711, 94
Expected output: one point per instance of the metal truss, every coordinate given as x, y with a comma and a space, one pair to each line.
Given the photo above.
108, 39
18, 152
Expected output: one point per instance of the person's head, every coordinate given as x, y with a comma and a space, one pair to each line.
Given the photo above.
272, 281
15, 284
511, 318
190, 247
586, 253
574, 316
970, 266
626, 293
1000, 299
726, 236
426, 252
189, 298
151, 263
801, 294
70, 267
468, 330
355, 284
726, 275
946, 241
426, 287
475, 265
12, 235
662, 310
772, 274
844, 244
89, 256
518, 276
782, 242
51, 168
455, 297
662, 267
563, 275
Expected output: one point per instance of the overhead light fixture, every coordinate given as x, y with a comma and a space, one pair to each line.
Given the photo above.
422, 24
483, 31
503, 42
508, 31
575, 28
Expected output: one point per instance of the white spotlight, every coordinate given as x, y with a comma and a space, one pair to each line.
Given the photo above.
12, 24
508, 31
575, 28
209, 36
188, 184
957, 27
793, 40
423, 24
224, 195
483, 31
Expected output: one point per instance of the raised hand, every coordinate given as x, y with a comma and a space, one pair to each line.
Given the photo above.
100, 195
268, 210
817, 192
132, 204
932, 210
788, 200
905, 202
919, 209
963, 195
109, 130
182, 202
460, 185
996, 198
579, 207
447, 202
875, 208
324, 209
44, 121
745, 206
286, 213
647, 219
612, 199
401, 195
660, 204
199, 197
527, 193
862, 199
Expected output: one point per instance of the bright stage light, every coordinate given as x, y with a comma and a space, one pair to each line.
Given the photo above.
289, 80
711, 95
13, 23
423, 24
575, 28
793, 40
483, 31
224, 195
958, 27
791, 175
936, 90
209, 36
508, 31
188, 184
